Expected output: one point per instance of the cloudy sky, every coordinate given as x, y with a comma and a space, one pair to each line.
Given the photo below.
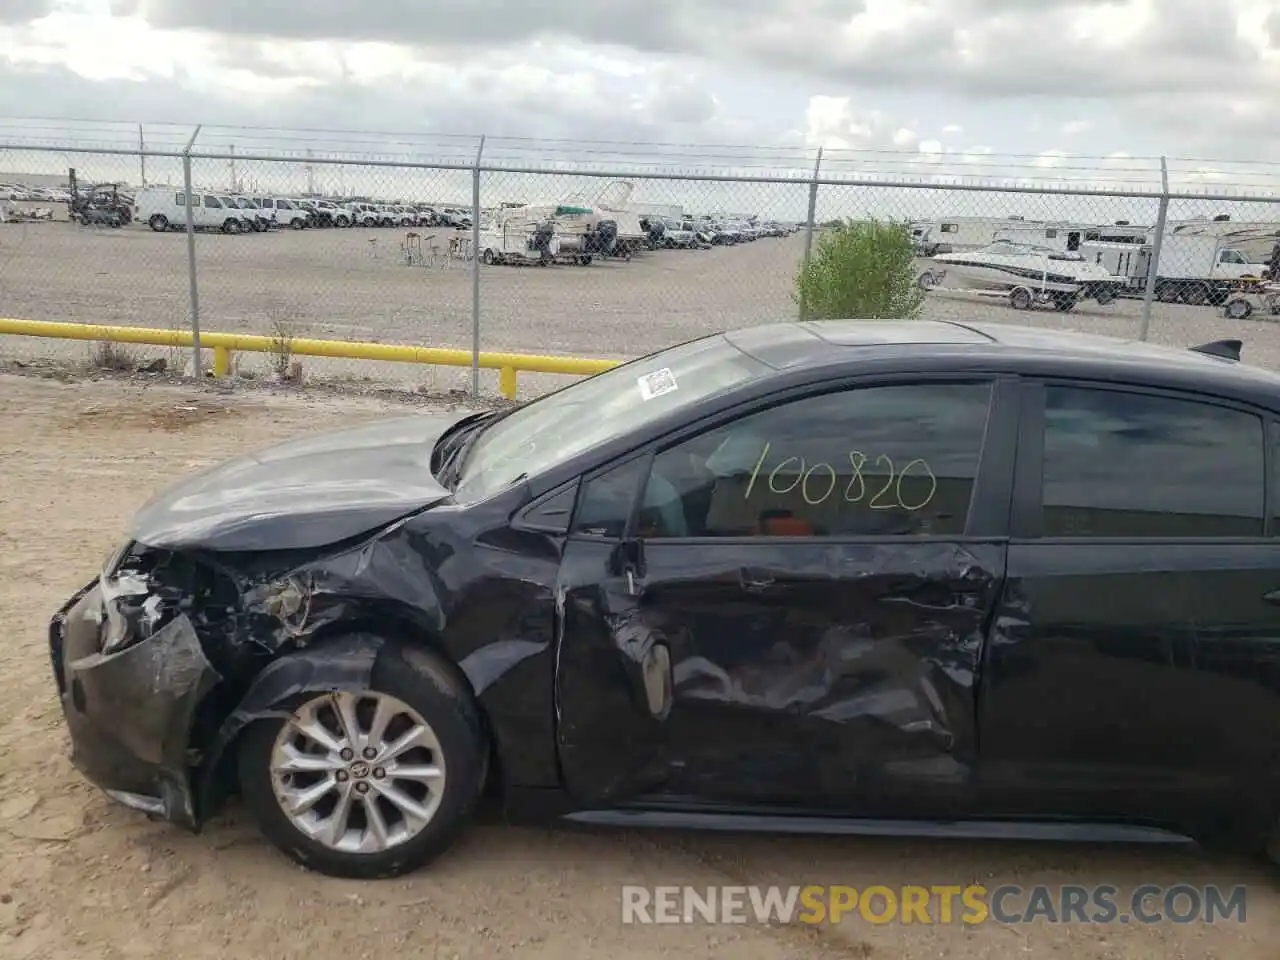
961, 79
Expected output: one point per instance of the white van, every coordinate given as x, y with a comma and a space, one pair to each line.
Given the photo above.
165, 208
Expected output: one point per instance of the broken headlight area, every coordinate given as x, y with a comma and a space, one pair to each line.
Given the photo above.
143, 590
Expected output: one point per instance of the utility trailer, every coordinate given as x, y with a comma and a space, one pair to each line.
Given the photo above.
1259, 297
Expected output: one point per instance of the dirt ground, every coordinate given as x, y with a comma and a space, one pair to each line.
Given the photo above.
84, 879
352, 284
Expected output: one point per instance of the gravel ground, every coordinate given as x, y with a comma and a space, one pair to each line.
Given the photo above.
351, 284
83, 879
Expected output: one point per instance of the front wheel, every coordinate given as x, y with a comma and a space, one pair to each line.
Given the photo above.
371, 783
159, 223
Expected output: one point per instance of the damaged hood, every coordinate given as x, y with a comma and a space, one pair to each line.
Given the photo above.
303, 493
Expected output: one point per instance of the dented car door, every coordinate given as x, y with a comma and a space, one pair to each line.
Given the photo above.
790, 606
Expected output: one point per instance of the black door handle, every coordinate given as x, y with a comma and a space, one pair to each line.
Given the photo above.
1272, 597
754, 581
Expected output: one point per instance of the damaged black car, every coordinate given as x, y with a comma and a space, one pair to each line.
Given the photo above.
845, 577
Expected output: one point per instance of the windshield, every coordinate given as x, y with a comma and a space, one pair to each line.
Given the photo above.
571, 421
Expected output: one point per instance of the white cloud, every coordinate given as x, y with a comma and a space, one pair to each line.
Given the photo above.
1051, 158
912, 81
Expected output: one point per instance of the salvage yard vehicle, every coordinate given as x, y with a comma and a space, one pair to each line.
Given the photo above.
920, 577
254, 216
365, 214
518, 241
164, 208
99, 204
283, 212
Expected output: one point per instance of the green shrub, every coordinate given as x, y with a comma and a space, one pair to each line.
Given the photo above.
861, 270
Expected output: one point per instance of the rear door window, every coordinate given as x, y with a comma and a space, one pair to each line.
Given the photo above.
1132, 465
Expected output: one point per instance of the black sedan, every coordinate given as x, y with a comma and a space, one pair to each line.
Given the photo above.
906, 577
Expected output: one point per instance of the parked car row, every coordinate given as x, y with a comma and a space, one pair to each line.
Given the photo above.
23, 193
165, 208
703, 232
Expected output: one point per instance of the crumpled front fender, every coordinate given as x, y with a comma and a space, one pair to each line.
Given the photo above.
344, 663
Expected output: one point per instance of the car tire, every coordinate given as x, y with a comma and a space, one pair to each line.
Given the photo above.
488, 258
159, 223
297, 223
1238, 309
430, 688
1197, 294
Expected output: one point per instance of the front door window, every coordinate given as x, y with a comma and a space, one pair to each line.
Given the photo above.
878, 461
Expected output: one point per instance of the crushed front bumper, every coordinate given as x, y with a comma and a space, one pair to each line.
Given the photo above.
130, 713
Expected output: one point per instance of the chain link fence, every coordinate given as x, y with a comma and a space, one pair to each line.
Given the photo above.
588, 256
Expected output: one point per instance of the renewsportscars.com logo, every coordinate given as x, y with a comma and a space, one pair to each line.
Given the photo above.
938, 904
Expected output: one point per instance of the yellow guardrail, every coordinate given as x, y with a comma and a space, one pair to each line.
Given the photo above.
224, 345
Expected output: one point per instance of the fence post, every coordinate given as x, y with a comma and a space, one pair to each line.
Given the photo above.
1153, 265
191, 258
809, 226
475, 272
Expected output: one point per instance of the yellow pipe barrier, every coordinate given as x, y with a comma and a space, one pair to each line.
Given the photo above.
508, 365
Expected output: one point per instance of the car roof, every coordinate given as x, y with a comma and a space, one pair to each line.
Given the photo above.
796, 345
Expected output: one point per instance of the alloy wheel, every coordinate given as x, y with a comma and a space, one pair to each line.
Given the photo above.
357, 772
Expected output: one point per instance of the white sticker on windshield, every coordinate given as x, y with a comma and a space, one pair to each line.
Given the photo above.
657, 383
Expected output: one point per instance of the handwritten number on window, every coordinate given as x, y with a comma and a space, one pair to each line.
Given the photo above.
811, 497
933, 485
818, 482
877, 501
856, 460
